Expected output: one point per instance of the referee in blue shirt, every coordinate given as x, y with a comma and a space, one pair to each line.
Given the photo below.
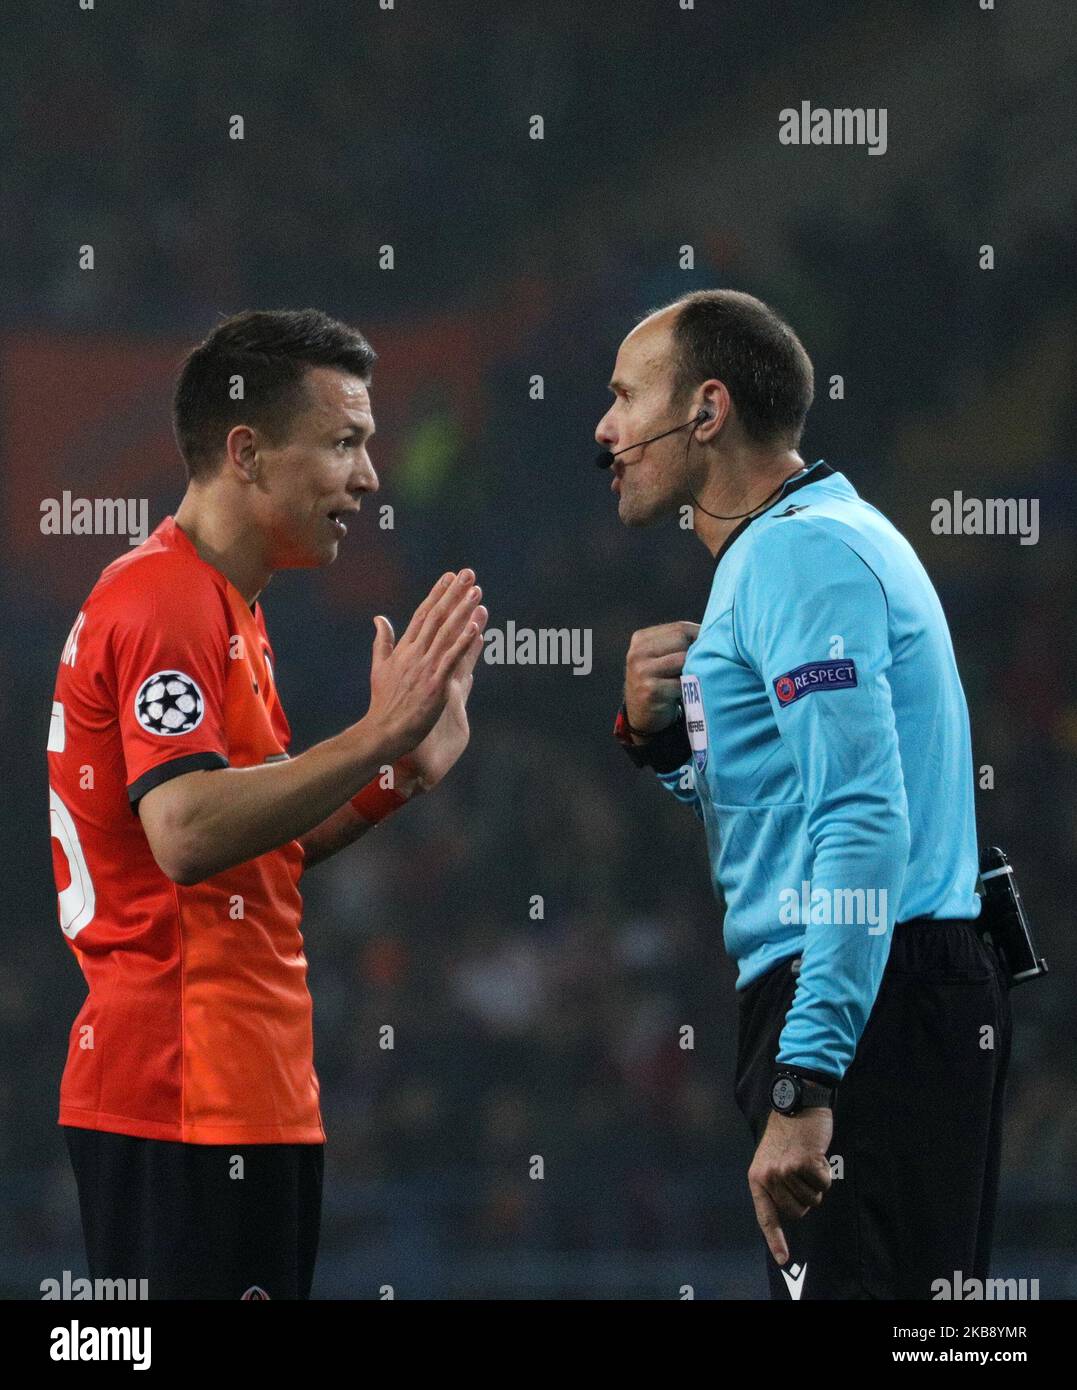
814, 720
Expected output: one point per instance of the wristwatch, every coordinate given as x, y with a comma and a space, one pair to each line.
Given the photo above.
790, 1093
664, 751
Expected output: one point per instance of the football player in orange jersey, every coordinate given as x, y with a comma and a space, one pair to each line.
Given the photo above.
189, 1101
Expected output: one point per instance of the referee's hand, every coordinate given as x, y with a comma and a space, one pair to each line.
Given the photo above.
790, 1173
653, 675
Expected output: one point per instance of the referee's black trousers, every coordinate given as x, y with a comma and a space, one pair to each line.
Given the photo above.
917, 1122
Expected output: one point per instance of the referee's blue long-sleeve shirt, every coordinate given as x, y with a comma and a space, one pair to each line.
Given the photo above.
832, 761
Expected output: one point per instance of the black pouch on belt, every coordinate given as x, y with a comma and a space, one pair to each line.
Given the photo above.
1003, 918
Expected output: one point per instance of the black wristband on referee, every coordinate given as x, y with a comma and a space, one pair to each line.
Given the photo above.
665, 751
821, 1078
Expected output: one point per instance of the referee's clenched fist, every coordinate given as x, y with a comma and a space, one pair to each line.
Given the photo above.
653, 675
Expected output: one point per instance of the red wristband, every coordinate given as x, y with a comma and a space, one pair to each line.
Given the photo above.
375, 802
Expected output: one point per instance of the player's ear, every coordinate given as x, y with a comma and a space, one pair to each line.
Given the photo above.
241, 450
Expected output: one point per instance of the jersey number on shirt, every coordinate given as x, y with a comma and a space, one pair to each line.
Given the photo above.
77, 901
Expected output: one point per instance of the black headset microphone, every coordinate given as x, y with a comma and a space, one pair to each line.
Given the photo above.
702, 415
605, 458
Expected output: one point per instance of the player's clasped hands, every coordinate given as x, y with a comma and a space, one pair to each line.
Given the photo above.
653, 674
411, 680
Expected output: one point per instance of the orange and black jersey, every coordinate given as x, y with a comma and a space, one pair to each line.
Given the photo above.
198, 1021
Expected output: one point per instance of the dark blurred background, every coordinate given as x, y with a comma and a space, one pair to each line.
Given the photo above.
515, 258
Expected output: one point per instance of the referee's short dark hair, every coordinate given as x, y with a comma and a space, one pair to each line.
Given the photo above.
250, 371
742, 342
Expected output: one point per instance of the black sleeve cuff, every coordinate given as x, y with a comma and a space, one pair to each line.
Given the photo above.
164, 772
822, 1078
664, 752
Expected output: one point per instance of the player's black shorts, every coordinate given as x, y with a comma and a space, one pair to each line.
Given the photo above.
917, 1122
199, 1220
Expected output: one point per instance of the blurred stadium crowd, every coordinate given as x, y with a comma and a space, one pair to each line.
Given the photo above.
556, 1036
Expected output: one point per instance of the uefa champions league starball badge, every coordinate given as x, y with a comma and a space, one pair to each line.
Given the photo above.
169, 702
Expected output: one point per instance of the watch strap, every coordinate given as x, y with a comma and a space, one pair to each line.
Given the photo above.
812, 1094
665, 751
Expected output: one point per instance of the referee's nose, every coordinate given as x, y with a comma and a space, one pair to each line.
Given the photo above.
605, 434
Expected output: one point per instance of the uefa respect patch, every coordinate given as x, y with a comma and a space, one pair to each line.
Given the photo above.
815, 675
